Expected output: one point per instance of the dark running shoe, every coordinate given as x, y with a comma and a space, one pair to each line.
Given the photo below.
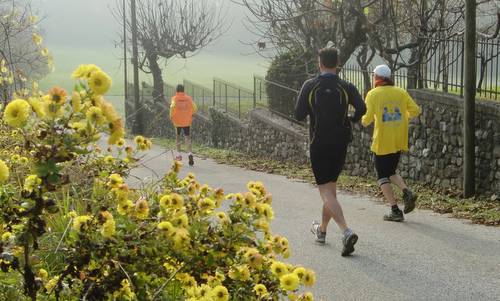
394, 216
349, 240
409, 199
318, 234
191, 160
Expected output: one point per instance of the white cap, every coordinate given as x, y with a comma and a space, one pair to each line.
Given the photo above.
382, 71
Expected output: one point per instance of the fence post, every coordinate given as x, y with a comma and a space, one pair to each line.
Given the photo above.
254, 92
203, 100
225, 88
213, 94
239, 103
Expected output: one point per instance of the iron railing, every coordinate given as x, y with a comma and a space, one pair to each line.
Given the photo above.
232, 98
202, 96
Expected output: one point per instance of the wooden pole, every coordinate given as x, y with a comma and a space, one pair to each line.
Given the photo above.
469, 99
125, 62
138, 125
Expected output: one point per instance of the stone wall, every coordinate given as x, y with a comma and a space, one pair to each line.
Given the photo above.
435, 157
436, 144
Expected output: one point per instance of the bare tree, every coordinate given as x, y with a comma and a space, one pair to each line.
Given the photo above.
22, 56
173, 28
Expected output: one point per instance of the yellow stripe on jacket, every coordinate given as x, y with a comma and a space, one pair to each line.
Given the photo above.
390, 108
182, 109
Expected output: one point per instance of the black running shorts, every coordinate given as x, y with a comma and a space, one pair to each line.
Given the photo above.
386, 165
327, 162
186, 130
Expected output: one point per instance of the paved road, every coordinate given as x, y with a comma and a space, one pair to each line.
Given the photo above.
429, 257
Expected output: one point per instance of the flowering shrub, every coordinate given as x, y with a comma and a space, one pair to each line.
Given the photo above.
73, 229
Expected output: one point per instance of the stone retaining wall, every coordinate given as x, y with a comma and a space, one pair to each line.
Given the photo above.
435, 157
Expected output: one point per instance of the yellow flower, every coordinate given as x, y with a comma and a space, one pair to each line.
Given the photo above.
307, 297
260, 290
166, 228
206, 204
52, 109
115, 180
120, 142
94, 115
125, 292
6, 236
181, 221
45, 52
108, 111
42, 273
125, 207
76, 101
177, 201
266, 211
4, 172
220, 293
309, 278
109, 159
37, 106
142, 209
32, 182
84, 71
181, 237
289, 282
57, 95
139, 140
52, 283
80, 222
278, 268
99, 82
16, 113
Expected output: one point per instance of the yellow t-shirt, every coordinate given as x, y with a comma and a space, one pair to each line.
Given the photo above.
390, 108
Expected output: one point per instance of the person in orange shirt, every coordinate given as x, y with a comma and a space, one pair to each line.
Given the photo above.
182, 109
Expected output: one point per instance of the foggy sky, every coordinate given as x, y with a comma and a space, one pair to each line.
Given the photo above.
90, 23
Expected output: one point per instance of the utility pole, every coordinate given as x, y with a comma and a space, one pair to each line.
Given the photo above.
138, 125
469, 99
125, 62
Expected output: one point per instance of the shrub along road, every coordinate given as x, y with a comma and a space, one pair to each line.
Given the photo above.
428, 257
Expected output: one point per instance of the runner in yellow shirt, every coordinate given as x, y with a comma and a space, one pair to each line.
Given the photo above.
182, 109
390, 108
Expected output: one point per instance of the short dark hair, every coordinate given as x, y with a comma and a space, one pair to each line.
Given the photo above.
328, 57
180, 88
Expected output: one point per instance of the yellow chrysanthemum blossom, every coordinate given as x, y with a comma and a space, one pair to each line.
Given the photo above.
32, 182
16, 113
37, 106
115, 180
108, 228
45, 52
108, 111
94, 115
6, 236
100, 82
278, 268
57, 95
52, 110
260, 290
76, 101
309, 278
166, 228
289, 282
125, 207
80, 222
142, 209
220, 293
4, 172
181, 221
42, 273
120, 142
84, 71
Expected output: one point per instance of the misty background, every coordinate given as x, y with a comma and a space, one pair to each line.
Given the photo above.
85, 31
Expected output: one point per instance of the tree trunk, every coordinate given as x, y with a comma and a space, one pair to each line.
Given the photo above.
158, 89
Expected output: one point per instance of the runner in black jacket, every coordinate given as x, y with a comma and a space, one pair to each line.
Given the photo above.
326, 99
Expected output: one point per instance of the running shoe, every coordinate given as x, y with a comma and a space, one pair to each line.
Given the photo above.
318, 234
191, 160
409, 199
349, 240
394, 216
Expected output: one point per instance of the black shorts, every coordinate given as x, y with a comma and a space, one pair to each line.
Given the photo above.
327, 162
186, 130
386, 165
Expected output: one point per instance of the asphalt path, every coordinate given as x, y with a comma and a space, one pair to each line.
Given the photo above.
428, 257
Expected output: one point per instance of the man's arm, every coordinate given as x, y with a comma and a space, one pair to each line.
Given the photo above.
172, 107
369, 117
302, 106
413, 108
357, 102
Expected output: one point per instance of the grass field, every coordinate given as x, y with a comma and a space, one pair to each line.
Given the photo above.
201, 69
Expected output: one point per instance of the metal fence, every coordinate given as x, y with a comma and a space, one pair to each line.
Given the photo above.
202, 96
232, 98
441, 69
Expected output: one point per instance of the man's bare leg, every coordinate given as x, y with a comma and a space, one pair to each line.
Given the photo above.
398, 181
331, 206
